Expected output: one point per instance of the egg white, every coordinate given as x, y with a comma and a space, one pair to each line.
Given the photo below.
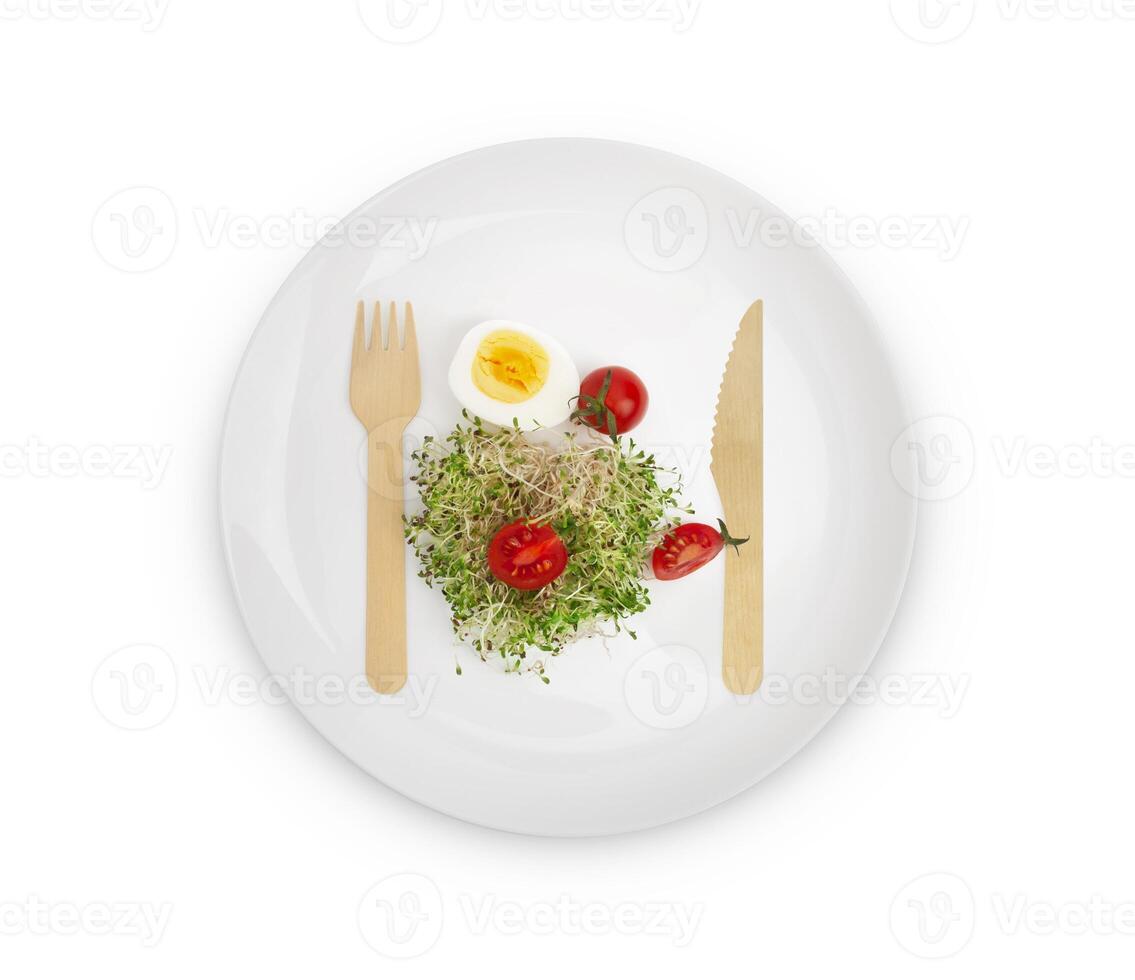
549, 406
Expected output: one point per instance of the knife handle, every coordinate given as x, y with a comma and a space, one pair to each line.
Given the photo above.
743, 649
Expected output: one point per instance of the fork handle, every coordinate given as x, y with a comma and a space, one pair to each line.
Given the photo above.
386, 561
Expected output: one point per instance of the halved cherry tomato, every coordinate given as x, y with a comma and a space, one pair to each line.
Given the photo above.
687, 548
612, 399
527, 556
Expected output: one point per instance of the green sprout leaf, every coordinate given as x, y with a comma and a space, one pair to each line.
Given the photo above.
610, 505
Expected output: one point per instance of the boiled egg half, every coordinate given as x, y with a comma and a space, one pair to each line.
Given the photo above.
504, 371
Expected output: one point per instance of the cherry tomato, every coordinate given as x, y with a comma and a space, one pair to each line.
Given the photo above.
612, 399
527, 556
687, 548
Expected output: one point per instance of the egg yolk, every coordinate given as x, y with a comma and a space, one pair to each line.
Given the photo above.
510, 367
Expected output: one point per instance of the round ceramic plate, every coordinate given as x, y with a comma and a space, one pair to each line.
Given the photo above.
631, 256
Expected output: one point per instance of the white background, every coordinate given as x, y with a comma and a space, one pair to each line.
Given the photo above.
255, 836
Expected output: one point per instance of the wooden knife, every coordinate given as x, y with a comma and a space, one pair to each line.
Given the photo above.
738, 468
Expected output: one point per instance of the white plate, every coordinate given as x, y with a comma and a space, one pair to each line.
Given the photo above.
628, 255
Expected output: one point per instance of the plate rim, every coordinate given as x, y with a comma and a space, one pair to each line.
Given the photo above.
883, 350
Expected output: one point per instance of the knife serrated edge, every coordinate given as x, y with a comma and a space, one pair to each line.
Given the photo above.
743, 632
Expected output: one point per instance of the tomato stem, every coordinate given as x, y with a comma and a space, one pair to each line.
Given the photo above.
596, 413
734, 543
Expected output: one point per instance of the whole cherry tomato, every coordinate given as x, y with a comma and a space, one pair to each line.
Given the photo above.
612, 399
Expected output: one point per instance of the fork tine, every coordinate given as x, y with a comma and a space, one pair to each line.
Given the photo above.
392, 340
360, 343
376, 329
409, 334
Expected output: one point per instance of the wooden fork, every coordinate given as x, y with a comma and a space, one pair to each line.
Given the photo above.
385, 395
